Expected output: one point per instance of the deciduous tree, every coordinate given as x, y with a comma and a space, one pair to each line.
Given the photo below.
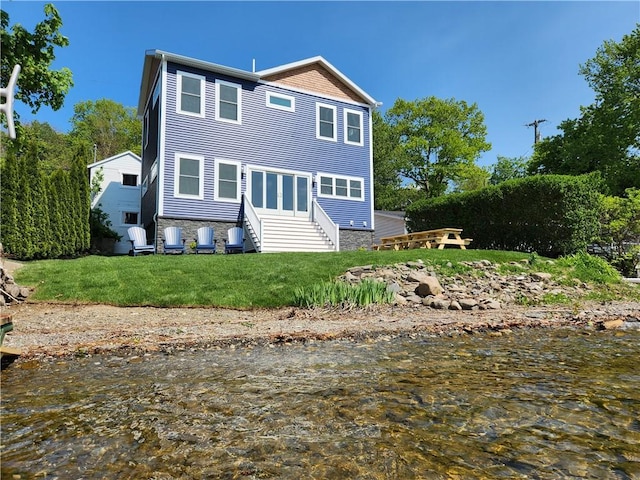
606, 137
110, 126
435, 137
38, 84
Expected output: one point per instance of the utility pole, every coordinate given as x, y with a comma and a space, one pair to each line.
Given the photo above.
536, 134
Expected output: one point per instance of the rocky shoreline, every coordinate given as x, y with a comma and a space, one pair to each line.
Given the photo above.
425, 305
55, 331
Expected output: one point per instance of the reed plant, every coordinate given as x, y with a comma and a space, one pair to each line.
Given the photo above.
343, 294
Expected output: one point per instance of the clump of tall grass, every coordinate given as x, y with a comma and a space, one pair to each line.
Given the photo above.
589, 268
343, 294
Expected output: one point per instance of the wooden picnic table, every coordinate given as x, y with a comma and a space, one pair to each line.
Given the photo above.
438, 238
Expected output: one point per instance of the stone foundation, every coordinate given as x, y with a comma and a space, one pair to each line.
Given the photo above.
349, 239
356, 239
190, 231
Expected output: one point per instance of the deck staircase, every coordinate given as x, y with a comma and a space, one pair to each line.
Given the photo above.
289, 234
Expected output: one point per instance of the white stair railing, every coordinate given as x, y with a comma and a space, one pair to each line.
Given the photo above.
254, 220
332, 230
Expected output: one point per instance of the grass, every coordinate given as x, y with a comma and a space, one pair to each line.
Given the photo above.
237, 281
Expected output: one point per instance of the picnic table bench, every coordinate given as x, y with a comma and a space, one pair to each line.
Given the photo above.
438, 238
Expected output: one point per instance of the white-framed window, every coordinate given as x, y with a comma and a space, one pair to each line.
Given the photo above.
189, 176
145, 185
146, 128
281, 102
130, 218
156, 94
227, 176
337, 186
154, 170
129, 180
228, 102
353, 127
326, 124
191, 94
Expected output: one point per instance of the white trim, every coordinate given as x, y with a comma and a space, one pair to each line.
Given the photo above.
345, 114
291, 99
160, 156
115, 157
122, 218
333, 194
129, 172
179, 75
216, 188
371, 197
238, 88
311, 93
335, 122
176, 175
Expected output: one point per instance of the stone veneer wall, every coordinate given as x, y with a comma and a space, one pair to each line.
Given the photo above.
356, 239
349, 239
190, 231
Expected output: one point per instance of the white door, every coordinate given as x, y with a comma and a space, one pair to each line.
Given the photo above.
280, 193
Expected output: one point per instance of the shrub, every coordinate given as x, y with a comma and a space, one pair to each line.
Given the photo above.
552, 215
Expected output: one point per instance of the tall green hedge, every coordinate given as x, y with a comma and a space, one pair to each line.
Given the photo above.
552, 215
43, 216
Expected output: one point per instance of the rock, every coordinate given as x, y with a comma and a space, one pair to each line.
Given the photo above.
490, 305
417, 277
413, 298
350, 277
429, 286
455, 305
613, 324
394, 287
468, 303
400, 300
541, 276
440, 303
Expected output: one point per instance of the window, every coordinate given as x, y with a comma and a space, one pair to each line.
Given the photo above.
189, 173
129, 180
146, 128
154, 170
190, 96
145, 185
281, 102
156, 94
326, 122
130, 218
340, 187
227, 180
229, 102
353, 127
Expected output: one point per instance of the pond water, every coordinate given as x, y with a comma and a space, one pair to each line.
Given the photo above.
541, 404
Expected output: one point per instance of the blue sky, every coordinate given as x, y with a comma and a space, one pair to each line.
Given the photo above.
518, 61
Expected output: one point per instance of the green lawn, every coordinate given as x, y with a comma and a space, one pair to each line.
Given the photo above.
232, 281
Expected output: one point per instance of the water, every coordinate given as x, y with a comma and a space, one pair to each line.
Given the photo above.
535, 404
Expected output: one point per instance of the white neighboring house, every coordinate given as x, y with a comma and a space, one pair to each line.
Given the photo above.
119, 196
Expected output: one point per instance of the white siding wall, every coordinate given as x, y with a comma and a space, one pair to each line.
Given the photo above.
115, 199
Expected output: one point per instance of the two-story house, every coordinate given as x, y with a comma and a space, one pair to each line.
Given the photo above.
119, 195
286, 153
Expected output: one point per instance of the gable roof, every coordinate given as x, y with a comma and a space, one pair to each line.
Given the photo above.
281, 74
115, 157
283, 71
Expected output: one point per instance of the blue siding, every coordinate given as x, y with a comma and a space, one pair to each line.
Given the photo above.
267, 137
